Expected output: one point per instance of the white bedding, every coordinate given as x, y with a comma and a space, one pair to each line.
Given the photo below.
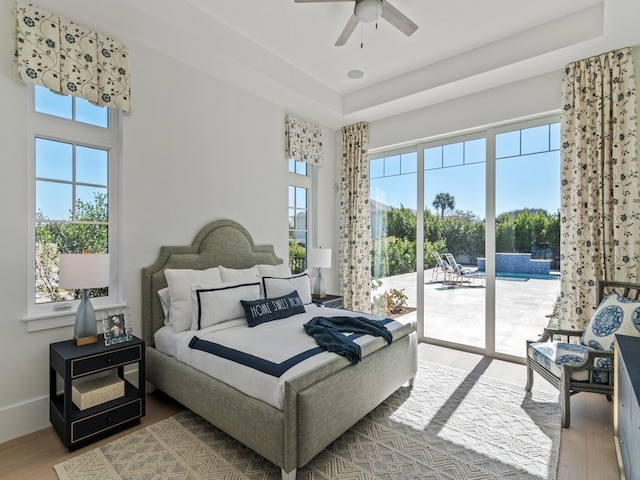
274, 341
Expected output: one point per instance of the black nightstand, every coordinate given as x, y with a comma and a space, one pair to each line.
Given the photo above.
329, 301
78, 427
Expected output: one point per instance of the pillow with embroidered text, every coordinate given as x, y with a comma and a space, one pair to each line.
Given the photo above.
270, 309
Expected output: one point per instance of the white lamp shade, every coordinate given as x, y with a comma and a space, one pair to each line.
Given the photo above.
84, 270
319, 257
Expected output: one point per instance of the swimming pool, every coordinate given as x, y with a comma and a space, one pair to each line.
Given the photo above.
523, 277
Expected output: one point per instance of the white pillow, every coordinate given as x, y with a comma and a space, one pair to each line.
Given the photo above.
239, 275
280, 270
179, 282
217, 304
279, 286
165, 301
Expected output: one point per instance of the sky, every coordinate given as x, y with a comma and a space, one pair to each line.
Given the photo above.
527, 173
55, 167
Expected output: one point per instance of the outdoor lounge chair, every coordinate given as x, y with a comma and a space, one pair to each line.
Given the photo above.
582, 360
441, 267
460, 274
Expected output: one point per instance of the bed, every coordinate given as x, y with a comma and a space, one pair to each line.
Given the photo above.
317, 406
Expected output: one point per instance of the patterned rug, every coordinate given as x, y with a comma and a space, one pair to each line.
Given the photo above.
451, 425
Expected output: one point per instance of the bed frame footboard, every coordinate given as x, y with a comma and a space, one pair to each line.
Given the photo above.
316, 409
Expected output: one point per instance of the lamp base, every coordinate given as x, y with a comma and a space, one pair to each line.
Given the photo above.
85, 330
318, 289
85, 340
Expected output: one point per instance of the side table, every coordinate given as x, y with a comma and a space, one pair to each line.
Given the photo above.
329, 301
77, 427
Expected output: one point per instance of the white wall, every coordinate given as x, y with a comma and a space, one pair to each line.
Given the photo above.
526, 98
195, 149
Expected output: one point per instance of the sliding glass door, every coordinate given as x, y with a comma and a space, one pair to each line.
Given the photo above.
466, 232
527, 234
454, 209
393, 207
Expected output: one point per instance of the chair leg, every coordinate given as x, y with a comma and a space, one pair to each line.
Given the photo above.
529, 385
565, 400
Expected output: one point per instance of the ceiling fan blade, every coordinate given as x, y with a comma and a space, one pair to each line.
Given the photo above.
347, 31
399, 20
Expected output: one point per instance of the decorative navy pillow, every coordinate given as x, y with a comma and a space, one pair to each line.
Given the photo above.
615, 315
269, 309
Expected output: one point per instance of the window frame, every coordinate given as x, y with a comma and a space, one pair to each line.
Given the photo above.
43, 125
489, 132
302, 181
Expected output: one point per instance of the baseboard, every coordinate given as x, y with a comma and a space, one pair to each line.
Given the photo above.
33, 415
24, 418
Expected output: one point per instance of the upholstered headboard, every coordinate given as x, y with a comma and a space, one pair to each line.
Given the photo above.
221, 242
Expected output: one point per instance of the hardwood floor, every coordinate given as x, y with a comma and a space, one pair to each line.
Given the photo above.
587, 450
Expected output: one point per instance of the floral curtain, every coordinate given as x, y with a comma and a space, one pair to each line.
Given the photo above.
600, 213
303, 141
68, 59
354, 248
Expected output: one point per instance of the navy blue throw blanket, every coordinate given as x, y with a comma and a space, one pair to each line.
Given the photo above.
327, 332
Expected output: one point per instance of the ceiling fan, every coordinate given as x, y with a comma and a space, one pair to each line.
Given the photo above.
367, 11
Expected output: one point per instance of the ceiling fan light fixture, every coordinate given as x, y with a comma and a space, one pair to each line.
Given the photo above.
368, 11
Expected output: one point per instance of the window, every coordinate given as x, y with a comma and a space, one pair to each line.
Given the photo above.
491, 198
393, 212
74, 154
299, 188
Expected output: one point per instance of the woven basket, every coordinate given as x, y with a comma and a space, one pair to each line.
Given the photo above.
96, 391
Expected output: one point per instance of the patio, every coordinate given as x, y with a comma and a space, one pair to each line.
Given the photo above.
456, 313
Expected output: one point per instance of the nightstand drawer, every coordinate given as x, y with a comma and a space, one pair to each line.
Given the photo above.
103, 361
105, 420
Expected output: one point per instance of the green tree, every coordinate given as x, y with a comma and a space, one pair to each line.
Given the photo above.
89, 233
401, 222
443, 202
392, 256
297, 253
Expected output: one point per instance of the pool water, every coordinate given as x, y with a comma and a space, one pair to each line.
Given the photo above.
523, 277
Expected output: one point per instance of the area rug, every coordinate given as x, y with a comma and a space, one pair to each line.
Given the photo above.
450, 425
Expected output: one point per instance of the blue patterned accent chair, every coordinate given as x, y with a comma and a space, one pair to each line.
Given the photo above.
582, 361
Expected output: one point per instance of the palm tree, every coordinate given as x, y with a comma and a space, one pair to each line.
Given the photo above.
444, 201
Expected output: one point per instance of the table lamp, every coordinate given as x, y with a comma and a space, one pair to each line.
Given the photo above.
84, 271
319, 258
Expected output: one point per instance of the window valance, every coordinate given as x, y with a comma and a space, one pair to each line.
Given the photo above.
69, 59
303, 141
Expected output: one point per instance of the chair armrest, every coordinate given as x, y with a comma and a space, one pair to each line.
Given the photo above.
549, 333
588, 362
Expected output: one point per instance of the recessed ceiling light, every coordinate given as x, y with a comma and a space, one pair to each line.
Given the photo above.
355, 74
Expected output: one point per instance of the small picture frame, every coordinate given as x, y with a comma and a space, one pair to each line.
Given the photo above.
116, 326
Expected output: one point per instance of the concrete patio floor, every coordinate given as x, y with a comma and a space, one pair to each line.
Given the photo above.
457, 313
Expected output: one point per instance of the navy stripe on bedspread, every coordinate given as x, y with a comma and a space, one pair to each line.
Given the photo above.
248, 360
262, 365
